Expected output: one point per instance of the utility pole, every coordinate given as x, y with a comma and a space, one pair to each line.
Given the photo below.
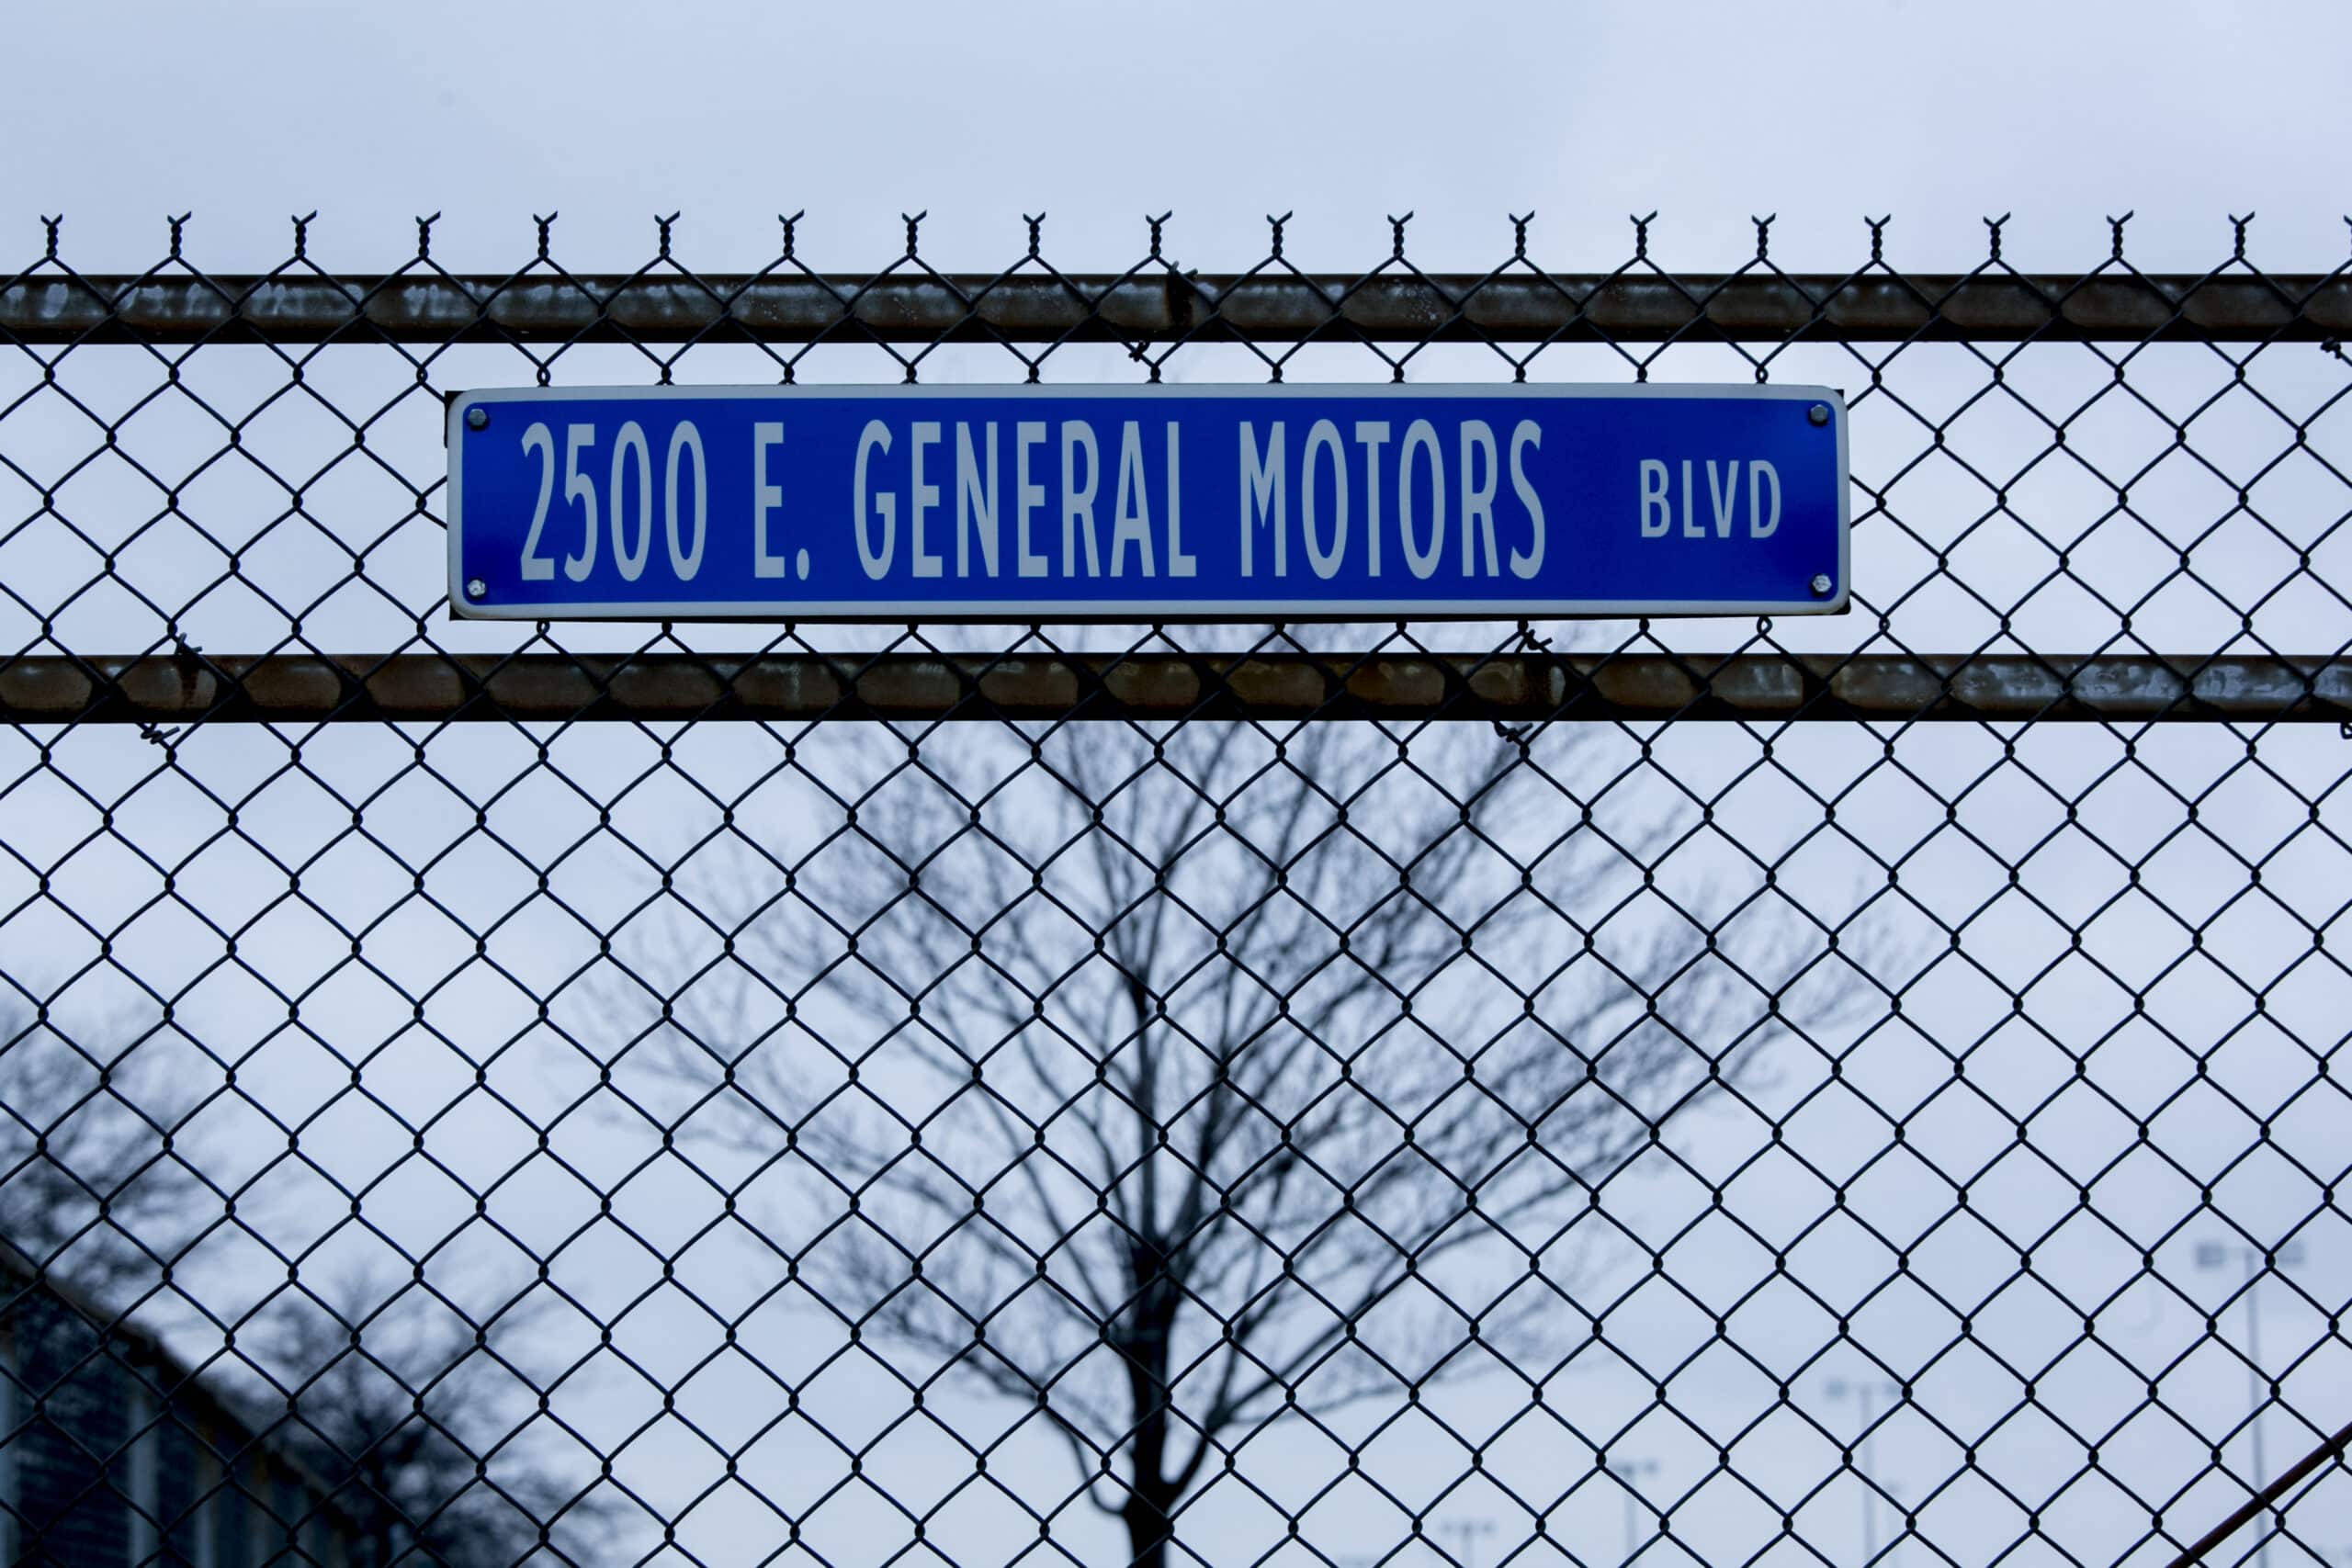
1862, 1391
1466, 1532
1628, 1472
2215, 1255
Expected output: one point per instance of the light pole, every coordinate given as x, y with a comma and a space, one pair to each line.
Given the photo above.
1862, 1391
1630, 1470
1466, 1532
2215, 1255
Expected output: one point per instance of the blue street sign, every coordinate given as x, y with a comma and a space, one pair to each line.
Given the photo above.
1146, 503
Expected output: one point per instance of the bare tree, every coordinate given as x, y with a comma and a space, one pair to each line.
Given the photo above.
1184, 1077
394, 1400
95, 1178
394, 1403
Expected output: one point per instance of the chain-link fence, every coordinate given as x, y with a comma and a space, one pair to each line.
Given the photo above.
1865, 1090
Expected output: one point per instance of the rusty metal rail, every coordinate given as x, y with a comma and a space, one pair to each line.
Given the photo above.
1512, 306
1514, 688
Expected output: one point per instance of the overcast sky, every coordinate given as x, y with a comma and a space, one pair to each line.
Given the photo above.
1224, 110
1709, 113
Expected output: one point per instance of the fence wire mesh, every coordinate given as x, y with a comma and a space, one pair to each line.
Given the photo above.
1721, 1091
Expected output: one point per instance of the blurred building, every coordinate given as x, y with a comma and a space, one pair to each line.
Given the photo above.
113, 1451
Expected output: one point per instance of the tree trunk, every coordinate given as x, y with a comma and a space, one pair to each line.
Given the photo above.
1149, 1518
1149, 1512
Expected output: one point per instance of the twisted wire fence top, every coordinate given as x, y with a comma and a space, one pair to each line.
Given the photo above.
1710, 1090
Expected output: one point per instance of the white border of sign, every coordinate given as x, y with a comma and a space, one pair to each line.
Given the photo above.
1145, 610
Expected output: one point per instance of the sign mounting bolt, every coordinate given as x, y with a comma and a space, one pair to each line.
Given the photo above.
1819, 413
476, 587
1821, 585
478, 418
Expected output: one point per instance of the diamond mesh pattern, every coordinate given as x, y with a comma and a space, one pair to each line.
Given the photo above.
1256, 1133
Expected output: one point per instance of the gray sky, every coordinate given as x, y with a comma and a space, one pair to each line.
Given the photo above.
1224, 110
1706, 112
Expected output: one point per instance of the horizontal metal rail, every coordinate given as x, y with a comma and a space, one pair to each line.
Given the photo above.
1514, 688
430, 308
